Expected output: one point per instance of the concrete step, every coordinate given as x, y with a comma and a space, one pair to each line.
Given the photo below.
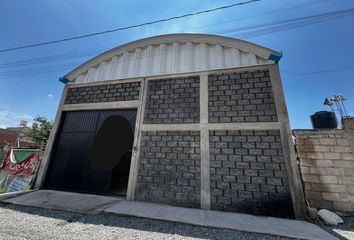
93, 204
228, 220
67, 201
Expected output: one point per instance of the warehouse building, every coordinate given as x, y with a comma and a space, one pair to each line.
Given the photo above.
191, 120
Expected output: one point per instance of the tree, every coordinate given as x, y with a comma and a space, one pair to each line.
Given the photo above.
40, 130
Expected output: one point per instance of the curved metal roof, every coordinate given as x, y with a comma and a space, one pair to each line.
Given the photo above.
172, 53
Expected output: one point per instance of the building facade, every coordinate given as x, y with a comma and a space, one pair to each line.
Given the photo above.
190, 120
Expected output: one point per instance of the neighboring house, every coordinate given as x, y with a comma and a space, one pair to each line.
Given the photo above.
200, 120
16, 136
8, 137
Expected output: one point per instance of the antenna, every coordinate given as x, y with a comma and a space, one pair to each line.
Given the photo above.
338, 100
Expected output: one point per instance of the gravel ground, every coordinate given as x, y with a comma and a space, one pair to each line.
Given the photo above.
343, 231
17, 222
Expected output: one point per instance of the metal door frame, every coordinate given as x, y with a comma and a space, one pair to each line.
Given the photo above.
123, 105
99, 116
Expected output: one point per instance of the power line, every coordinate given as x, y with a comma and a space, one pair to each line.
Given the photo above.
255, 29
50, 58
290, 23
129, 27
261, 14
339, 69
246, 32
92, 52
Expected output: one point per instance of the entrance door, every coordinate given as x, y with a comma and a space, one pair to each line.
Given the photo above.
89, 148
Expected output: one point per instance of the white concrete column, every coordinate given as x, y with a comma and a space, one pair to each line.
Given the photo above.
133, 174
204, 144
295, 183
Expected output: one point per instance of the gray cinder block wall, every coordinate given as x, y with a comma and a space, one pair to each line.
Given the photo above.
172, 101
248, 172
103, 93
169, 168
241, 97
327, 167
212, 140
193, 152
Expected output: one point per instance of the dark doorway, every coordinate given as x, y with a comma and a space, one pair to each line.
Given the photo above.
120, 175
111, 152
92, 152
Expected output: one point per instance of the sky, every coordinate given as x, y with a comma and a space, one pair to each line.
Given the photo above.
315, 36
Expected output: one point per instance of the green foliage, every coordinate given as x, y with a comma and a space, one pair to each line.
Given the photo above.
40, 130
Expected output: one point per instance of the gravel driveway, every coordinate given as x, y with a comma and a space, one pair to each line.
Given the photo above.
19, 222
343, 231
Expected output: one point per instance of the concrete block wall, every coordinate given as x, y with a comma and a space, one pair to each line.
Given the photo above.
248, 173
327, 167
176, 158
169, 168
103, 93
241, 97
172, 101
215, 141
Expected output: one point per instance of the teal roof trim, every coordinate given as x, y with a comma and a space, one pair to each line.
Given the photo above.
275, 58
64, 80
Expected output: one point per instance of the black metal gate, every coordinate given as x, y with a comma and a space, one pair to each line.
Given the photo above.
70, 167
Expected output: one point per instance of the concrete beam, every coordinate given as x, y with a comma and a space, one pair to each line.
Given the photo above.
171, 127
101, 106
245, 126
128, 80
213, 126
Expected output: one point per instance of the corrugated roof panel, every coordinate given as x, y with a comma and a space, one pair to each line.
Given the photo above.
204, 56
82, 78
168, 59
105, 70
117, 67
155, 61
142, 61
195, 57
92, 75
245, 58
220, 63
211, 50
129, 63
176, 57
261, 60
171, 54
184, 61
163, 58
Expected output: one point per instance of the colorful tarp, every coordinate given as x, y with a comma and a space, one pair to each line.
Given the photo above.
18, 169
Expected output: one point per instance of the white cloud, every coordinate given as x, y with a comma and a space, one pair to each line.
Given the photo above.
10, 118
50, 95
190, 25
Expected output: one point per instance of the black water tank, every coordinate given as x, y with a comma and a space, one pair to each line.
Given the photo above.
324, 119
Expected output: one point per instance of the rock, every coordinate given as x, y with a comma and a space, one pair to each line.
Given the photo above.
329, 217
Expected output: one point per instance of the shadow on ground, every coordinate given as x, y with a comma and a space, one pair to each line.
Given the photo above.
184, 230
344, 231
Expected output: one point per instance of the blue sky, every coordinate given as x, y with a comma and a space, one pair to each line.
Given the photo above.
29, 83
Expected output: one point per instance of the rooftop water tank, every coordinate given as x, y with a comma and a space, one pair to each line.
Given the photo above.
324, 119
